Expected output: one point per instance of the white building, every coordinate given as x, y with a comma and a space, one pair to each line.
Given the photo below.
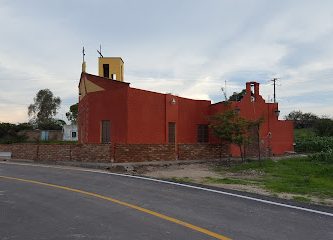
70, 132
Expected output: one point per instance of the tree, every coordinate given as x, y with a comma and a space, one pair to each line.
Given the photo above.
240, 135
53, 124
24, 126
323, 127
72, 114
237, 96
44, 108
10, 133
222, 128
302, 120
230, 128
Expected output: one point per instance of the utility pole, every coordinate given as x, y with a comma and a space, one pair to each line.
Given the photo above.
274, 83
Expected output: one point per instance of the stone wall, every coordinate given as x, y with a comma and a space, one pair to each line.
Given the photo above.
53, 152
21, 151
202, 151
114, 152
91, 152
144, 152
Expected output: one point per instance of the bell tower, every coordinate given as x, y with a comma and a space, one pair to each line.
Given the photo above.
111, 67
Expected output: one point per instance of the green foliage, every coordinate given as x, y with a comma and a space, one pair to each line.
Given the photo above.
314, 144
23, 126
44, 108
73, 113
51, 124
317, 140
222, 125
9, 132
300, 133
323, 127
302, 199
301, 176
320, 147
302, 120
323, 156
229, 127
237, 96
180, 179
228, 181
293, 175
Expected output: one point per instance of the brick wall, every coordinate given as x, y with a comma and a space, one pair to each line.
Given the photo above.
251, 150
144, 152
201, 151
60, 152
53, 152
21, 151
114, 153
91, 152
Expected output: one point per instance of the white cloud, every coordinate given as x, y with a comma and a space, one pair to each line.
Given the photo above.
188, 50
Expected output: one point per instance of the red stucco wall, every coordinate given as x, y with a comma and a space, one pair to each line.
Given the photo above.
278, 135
110, 104
141, 117
146, 117
191, 113
149, 114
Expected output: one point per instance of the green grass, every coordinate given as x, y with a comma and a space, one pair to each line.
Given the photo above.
302, 199
180, 179
228, 181
295, 175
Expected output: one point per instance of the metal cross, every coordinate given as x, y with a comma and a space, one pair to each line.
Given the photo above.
83, 54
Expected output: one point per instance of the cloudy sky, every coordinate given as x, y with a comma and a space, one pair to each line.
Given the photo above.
186, 47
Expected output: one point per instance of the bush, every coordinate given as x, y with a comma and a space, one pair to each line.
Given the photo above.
314, 144
324, 127
53, 124
324, 156
9, 132
13, 139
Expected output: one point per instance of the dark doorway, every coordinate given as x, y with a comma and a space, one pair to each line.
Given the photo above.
202, 133
106, 70
172, 132
106, 131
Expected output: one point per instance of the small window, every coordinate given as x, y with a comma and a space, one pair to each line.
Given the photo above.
253, 94
172, 132
202, 133
73, 134
106, 70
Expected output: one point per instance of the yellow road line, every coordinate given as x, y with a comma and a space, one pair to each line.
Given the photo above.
156, 214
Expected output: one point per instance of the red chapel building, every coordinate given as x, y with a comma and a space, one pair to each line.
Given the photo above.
110, 111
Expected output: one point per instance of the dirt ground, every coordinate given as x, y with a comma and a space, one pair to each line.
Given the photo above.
199, 172
193, 171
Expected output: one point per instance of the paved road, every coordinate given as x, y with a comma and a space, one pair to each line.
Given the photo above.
53, 203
